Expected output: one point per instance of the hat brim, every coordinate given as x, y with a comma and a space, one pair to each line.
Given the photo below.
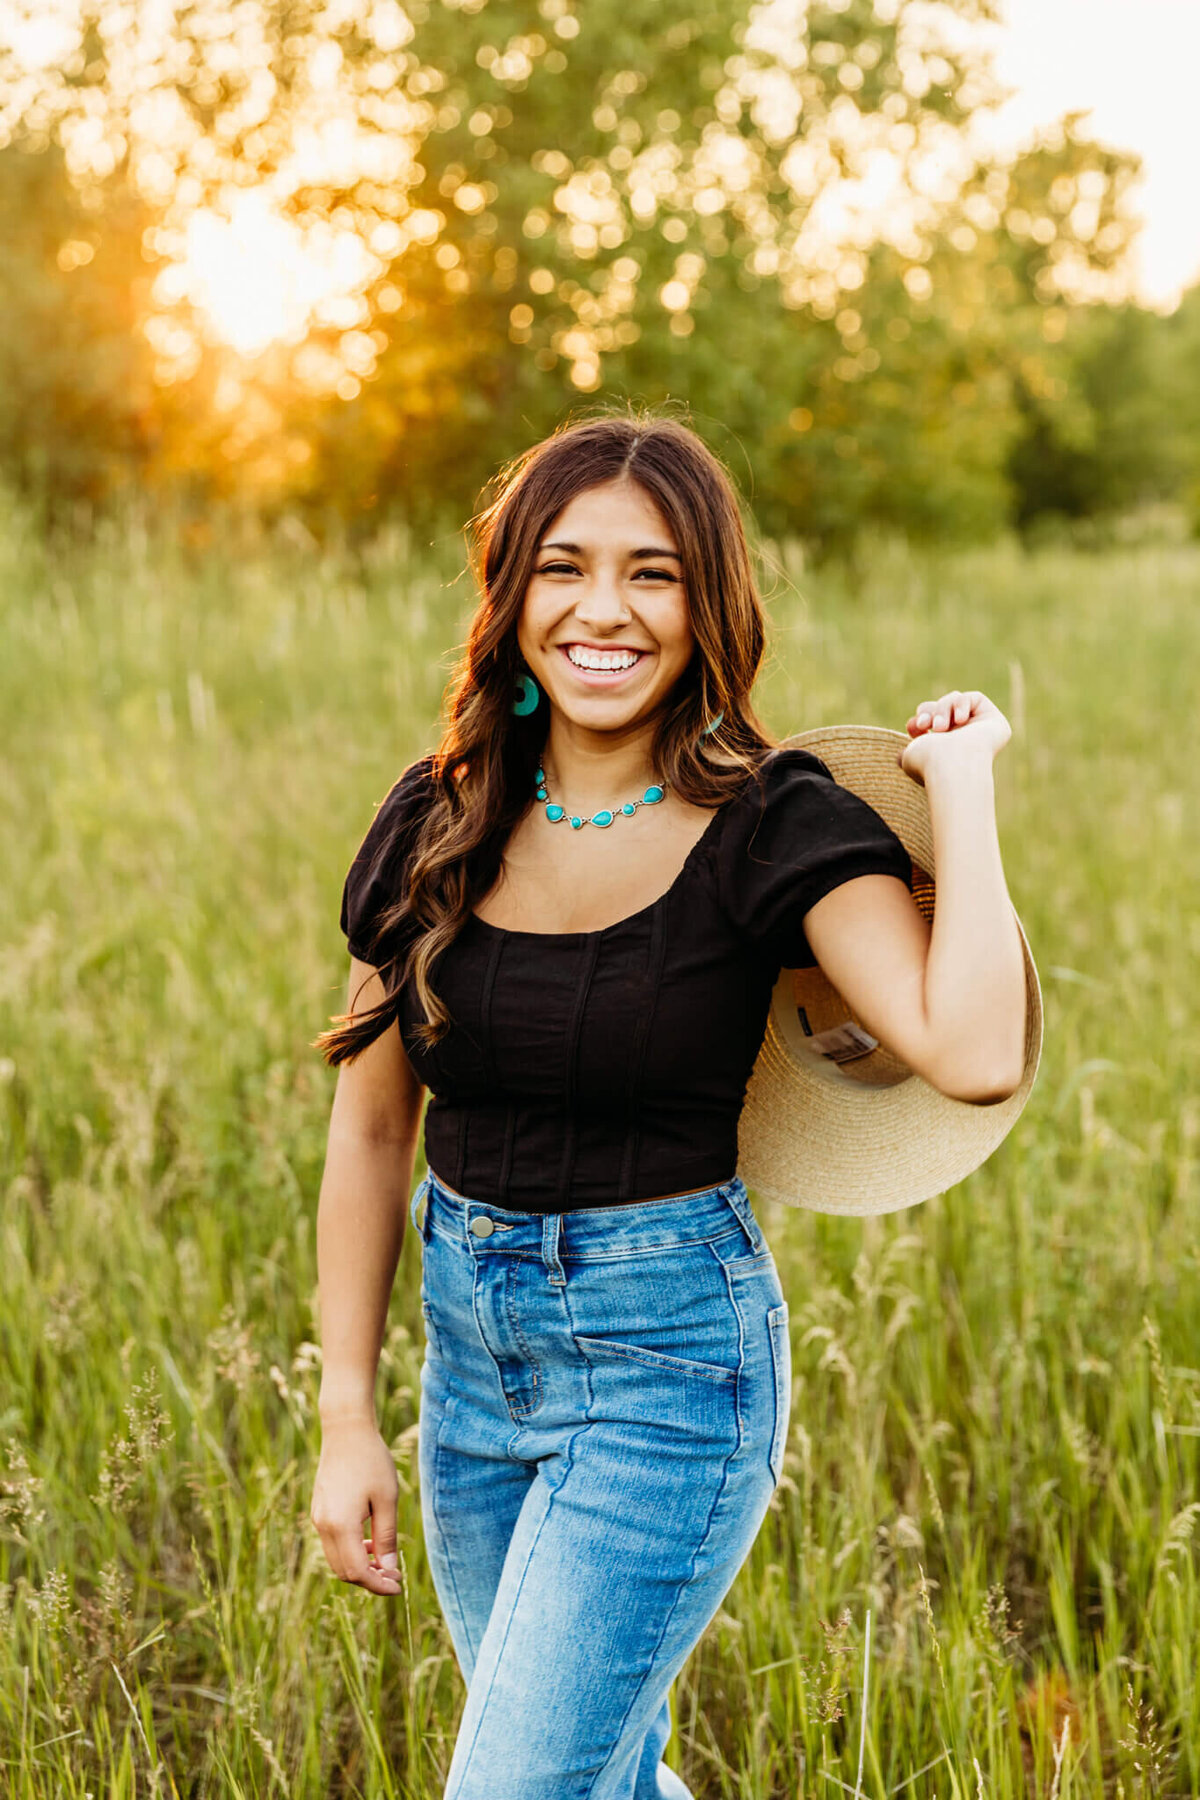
812, 1134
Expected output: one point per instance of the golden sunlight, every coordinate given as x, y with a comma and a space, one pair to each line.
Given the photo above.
255, 278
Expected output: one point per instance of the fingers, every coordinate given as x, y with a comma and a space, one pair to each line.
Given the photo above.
954, 708
384, 1580
356, 1559
354, 1564
382, 1542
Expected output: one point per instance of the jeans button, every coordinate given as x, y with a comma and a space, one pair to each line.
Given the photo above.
482, 1226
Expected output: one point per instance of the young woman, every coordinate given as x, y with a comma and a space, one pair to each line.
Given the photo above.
566, 923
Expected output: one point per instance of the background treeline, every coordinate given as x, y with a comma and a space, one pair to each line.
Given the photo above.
588, 203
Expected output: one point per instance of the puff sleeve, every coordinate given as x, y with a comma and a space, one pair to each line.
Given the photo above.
791, 843
375, 878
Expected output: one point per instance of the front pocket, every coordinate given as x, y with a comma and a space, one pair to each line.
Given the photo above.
671, 1312
652, 1359
781, 1360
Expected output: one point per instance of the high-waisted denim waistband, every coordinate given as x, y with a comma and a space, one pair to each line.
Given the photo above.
590, 1233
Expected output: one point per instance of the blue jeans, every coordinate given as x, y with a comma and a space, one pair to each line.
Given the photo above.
604, 1404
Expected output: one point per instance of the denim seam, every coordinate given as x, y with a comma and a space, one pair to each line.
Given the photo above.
551, 1493
696, 1553
655, 1359
447, 1559
741, 1362
778, 1329
522, 1411
718, 1188
482, 1339
607, 1255
758, 1260
743, 1212
629, 1255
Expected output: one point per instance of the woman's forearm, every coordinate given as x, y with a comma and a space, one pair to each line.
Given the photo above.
974, 990
361, 1216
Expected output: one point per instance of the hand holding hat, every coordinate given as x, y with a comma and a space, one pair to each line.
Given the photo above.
936, 720
833, 1120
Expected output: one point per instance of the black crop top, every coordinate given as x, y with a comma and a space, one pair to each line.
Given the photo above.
587, 1068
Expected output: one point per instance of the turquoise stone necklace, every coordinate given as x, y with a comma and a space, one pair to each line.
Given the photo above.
605, 816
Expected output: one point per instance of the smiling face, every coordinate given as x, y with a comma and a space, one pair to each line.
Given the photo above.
604, 626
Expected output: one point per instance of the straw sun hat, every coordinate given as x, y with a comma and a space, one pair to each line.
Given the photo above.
832, 1121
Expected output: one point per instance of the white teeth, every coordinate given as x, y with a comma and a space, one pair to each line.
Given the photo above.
601, 659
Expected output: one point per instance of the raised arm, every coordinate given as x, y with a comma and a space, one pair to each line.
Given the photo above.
948, 999
361, 1217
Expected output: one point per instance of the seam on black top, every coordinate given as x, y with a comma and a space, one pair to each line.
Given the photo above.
485, 1000
460, 1176
571, 1063
504, 1178
488, 1046
637, 1054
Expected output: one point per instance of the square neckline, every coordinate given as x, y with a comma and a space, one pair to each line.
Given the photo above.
576, 937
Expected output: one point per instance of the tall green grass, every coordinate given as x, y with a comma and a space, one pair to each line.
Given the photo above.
996, 1421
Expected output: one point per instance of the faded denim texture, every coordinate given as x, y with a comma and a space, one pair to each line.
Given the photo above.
604, 1405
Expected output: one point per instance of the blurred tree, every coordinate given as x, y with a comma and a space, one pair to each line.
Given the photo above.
1108, 447
77, 400
766, 210
581, 236
718, 251
1083, 372
1179, 383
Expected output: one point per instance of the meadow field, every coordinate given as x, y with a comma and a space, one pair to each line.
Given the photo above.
993, 1459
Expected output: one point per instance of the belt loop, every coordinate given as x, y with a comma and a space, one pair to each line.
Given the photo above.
418, 1212
735, 1193
551, 1233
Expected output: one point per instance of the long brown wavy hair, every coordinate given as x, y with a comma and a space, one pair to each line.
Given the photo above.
481, 774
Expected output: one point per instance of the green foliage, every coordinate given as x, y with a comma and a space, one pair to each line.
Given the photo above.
77, 401
1178, 371
554, 203
995, 1440
1108, 450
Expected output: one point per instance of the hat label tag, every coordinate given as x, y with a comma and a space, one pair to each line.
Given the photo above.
841, 1043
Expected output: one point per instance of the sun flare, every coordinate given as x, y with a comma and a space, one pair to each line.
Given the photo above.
257, 279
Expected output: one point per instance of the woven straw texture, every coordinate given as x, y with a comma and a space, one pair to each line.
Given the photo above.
865, 1136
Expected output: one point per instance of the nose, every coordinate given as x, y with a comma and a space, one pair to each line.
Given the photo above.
602, 606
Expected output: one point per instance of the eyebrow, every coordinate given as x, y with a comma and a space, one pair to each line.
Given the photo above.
651, 550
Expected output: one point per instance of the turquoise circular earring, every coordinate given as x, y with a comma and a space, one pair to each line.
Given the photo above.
528, 695
712, 725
